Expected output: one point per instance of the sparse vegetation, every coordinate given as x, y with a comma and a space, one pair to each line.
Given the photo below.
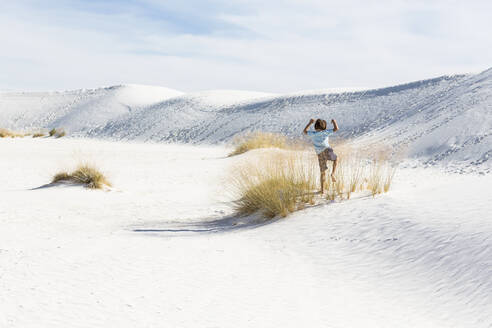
85, 174
282, 181
380, 177
57, 132
356, 172
355, 177
257, 140
4, 133
279, 183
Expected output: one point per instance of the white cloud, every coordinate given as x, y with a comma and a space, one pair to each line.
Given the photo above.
273, 46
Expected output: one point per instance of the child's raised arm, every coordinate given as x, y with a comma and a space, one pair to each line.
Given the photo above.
311, 121
335, 125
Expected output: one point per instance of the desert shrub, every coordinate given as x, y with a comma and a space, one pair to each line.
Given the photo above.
257, 140
277, 183
85, 174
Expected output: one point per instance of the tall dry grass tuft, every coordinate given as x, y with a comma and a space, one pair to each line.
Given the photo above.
355, 177
380, 177
257, 140
277, 183
85, 174
359, 170
281, 181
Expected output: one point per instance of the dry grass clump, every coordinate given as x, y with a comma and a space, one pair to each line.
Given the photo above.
85, 174
57, 133
4, 133
278, 183
257, 140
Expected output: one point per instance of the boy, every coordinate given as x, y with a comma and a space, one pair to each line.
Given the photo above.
325, 153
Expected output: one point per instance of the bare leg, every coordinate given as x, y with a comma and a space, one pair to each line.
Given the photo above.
333, 170
322, 181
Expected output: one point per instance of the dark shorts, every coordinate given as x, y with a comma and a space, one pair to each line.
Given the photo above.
324, 156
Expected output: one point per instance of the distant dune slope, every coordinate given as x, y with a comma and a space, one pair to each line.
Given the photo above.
78, 110
441, 120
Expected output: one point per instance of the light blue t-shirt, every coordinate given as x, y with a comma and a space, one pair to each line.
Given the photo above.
320, 139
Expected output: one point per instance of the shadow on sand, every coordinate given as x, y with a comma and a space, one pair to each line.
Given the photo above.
228, 223
70, 184
58, 184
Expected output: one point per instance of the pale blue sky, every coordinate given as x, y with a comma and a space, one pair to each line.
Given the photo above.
274, 46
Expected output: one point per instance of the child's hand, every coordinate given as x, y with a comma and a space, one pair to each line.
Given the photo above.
311, 120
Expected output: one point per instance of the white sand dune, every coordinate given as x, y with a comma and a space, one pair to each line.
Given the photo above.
446, 120
77, 110
162, 249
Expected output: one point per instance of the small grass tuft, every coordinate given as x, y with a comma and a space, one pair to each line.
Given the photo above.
38, 134
85, 174
57, 133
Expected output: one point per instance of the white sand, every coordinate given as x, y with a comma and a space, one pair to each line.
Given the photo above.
161, 249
